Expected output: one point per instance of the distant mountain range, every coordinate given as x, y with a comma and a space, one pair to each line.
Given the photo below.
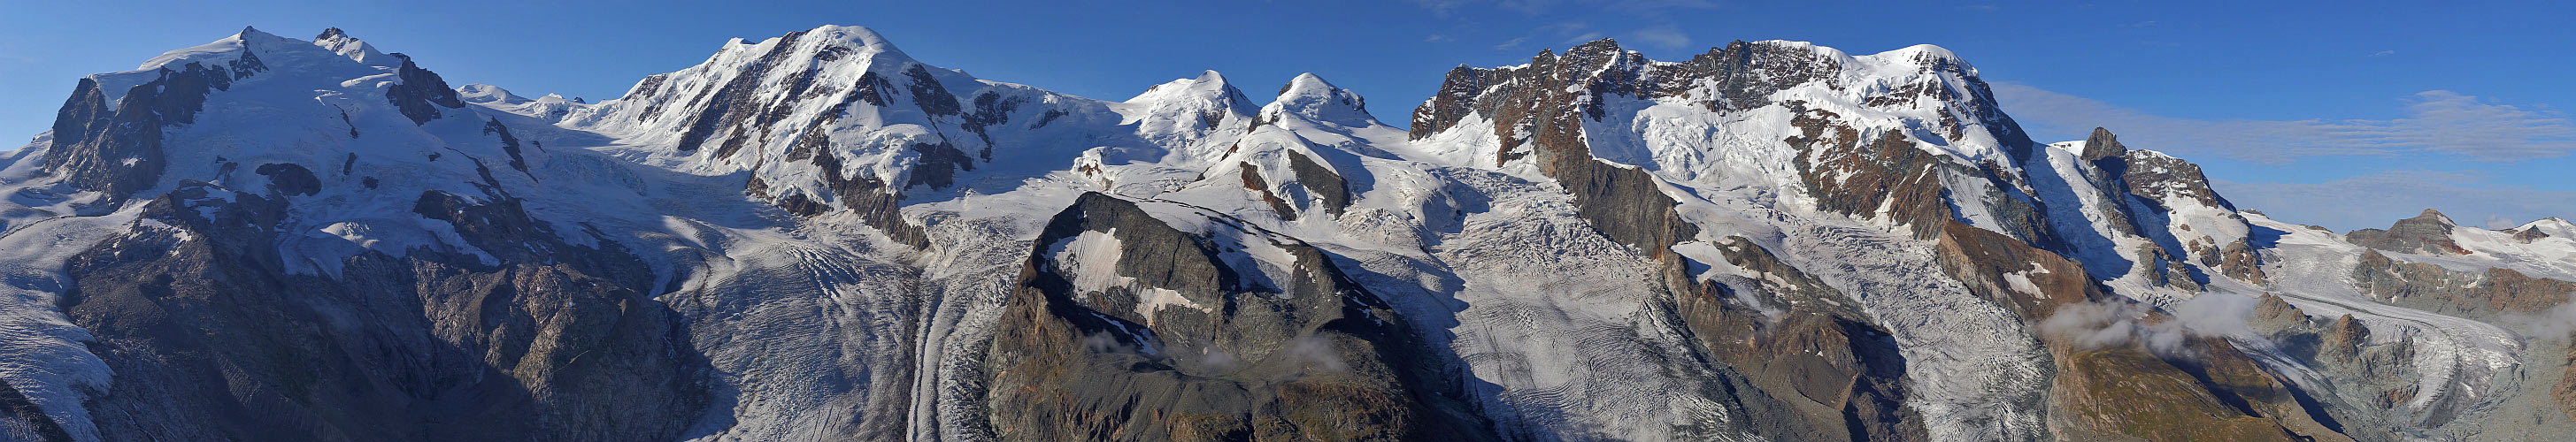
816, 237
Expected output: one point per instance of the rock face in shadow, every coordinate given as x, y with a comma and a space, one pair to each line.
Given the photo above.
116, 147
2103, 144
1321, 182
1804, 365
421, 93
21, 419
1185, 347
290, 179
211, 335
2371, 378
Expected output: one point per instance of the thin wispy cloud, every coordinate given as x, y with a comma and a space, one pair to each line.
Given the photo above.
1439, 38
2436, 122
1564, 27
1535, 7
1665, 36
1573, 31
2394, 195
1441, 7
2383, 53
1657, 14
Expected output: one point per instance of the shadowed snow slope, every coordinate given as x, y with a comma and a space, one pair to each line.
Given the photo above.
817, 237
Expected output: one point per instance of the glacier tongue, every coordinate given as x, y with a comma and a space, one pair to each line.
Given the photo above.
838, 231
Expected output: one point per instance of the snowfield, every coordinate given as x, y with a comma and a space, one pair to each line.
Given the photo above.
839, 324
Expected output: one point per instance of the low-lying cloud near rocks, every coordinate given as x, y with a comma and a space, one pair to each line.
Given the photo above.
2107, 324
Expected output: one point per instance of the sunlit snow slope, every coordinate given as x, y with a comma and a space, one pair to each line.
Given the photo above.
817, 237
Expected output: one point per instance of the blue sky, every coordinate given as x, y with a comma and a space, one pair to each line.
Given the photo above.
2345, 114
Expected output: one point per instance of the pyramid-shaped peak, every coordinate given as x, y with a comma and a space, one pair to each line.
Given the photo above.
339, 42
2103, 145
1311, 97
1306, 84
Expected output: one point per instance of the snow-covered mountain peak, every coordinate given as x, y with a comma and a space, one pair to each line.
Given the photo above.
1923, 55
946, 253
551, 107
1311, 97
1207, 86
857, 38
1188, 107
2550, 224
484, 93
2551, 227
339, 42
215, 52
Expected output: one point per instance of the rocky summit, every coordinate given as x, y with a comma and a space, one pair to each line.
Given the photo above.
818, 237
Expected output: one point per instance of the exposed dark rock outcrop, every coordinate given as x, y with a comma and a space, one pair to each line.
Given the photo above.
2239, 260
509, 144
2154, 176
2529, 235
727, 107
1745, 75
1543, 119
421, 93
1853, 175
2430, 287
1321, 182
1987, 262
1319, 358
2164, 268
2103, 145
116, 147
2344, 339
1804, 365
2564, 394
211, 335
2428, 233
290, 179
1252, 181
875, 202
939, 165
2129, 392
